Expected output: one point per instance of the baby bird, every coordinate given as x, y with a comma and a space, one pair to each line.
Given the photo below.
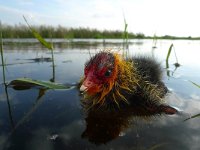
111, 80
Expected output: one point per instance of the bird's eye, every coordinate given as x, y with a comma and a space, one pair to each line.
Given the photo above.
108, 73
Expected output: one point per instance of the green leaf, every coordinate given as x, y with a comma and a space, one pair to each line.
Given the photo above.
39, 37
30, 82
194, 116
195, 84
168, 54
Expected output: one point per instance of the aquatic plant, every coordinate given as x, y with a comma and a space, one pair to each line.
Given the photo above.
2, 57
125, 33
168, 55
194, 116
176, 64
154, 41
197, 85
30, 82
4, 79
125, 39
45, 44
39, 37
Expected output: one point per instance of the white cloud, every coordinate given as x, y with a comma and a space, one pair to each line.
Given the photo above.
15, 16
12, 15
170, 17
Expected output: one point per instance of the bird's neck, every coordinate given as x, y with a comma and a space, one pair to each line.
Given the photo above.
126, 82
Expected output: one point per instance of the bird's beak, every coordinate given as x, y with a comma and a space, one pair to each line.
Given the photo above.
89, 86
86, 85
83, 88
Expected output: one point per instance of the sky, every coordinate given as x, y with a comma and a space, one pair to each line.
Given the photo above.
160, 17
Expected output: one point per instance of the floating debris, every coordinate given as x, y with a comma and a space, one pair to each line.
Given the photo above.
53, 137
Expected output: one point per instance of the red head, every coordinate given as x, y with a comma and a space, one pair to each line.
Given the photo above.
100, 74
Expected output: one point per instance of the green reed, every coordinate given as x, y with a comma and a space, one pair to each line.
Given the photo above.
125, 39
39, 37
154, 41
2, 56
45, 44
178, 65
168, 54
194, 116
43, 84
197, 85
4, 78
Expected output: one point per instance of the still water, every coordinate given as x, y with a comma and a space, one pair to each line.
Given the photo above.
54, 119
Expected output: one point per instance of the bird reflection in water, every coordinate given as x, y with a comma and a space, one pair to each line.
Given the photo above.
106, 124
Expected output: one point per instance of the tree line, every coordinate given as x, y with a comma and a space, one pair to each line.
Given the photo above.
22, 31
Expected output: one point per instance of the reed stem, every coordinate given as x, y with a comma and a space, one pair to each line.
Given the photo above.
2, 57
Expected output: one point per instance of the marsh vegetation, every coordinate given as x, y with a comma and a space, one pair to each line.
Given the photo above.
22, 31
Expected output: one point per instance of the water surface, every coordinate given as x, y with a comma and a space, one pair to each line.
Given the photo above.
54, 119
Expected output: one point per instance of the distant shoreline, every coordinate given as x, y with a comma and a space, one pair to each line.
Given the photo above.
22, 31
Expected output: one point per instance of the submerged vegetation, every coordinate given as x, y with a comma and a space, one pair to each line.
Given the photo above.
22, 31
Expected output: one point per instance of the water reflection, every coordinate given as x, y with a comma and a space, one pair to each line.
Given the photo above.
170, 72
104, 125
82, 44
9, 107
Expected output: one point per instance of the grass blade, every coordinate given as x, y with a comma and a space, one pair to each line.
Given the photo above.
168, 54
2, 57
194, 116
32, 83
154, 41
44, 43
195, 84
197, 115
39, 37
125, 38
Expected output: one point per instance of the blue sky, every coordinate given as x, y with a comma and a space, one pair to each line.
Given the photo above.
160, 17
